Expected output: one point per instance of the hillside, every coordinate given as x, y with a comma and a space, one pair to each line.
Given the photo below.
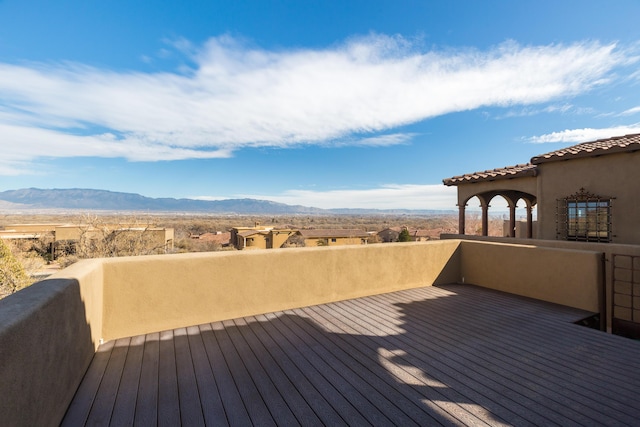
87, 199
102, 200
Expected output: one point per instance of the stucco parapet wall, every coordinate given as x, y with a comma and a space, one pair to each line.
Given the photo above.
154, 293
48, 335
606, 248
563, 276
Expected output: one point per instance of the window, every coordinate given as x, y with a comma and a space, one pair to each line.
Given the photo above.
584, 217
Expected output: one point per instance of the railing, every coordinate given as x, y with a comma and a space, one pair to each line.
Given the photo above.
626, 295
49, 332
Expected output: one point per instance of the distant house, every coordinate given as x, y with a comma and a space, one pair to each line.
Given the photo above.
259, 237
333, 237
221, 238
391, 234
587, 192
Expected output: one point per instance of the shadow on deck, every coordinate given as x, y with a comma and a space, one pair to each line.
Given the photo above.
449, 355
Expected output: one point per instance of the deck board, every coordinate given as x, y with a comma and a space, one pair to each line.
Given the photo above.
168, 403
78, 411
147, 401
285, 359
212, 406
448, 355
470, 371
125, 404
188, 394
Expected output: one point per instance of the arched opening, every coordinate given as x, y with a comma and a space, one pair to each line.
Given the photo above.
472, 217
526, 214
497, 214
484, 217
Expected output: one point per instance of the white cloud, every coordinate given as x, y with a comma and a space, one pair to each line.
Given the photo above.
376, 141
585, 134
235, 96
529, 111
630, 111
407, 196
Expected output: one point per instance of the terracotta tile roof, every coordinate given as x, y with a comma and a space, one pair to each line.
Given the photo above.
616, 144
420, 233
222, 238
507, 172
250, 233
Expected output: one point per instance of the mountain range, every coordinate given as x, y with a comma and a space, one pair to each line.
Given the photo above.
103, 200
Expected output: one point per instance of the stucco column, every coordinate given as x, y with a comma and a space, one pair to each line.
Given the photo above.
485, 219
529, 221
512, 219
461, 224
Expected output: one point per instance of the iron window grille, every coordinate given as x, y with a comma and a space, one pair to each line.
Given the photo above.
584, 217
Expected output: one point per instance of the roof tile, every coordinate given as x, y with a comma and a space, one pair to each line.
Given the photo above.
507, 172
617, 144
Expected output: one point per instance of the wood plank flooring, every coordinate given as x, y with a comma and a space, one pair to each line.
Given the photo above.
449, 355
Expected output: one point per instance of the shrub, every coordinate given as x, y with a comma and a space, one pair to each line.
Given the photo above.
12, 274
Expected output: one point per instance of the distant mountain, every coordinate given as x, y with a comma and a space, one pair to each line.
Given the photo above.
361, 211
102, 200
79, 199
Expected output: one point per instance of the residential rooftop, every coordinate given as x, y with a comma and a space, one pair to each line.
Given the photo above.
618, 144
450, 332
506, 172
446, 355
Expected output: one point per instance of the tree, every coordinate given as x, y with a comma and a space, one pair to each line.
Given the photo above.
294, 241
12, 274
101, 239
404, 236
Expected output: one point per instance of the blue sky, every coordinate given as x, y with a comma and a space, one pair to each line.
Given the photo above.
330, 104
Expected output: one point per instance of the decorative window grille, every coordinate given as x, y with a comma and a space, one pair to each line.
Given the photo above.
584, 217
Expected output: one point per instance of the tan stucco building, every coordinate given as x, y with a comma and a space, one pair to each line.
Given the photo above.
267, 237
259, 237
329, 237
586, 192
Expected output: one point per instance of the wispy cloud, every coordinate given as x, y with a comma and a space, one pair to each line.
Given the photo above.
585, 134
530, 111
235, 96
631, 111
376, 141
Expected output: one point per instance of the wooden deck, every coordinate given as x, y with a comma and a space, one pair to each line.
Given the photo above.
449, 355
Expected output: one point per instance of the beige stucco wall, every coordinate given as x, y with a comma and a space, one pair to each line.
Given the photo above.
611, 175
255, 241
608, 249
568, 277
521, 229
279, 237
146, 294
48, 335
525, 185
